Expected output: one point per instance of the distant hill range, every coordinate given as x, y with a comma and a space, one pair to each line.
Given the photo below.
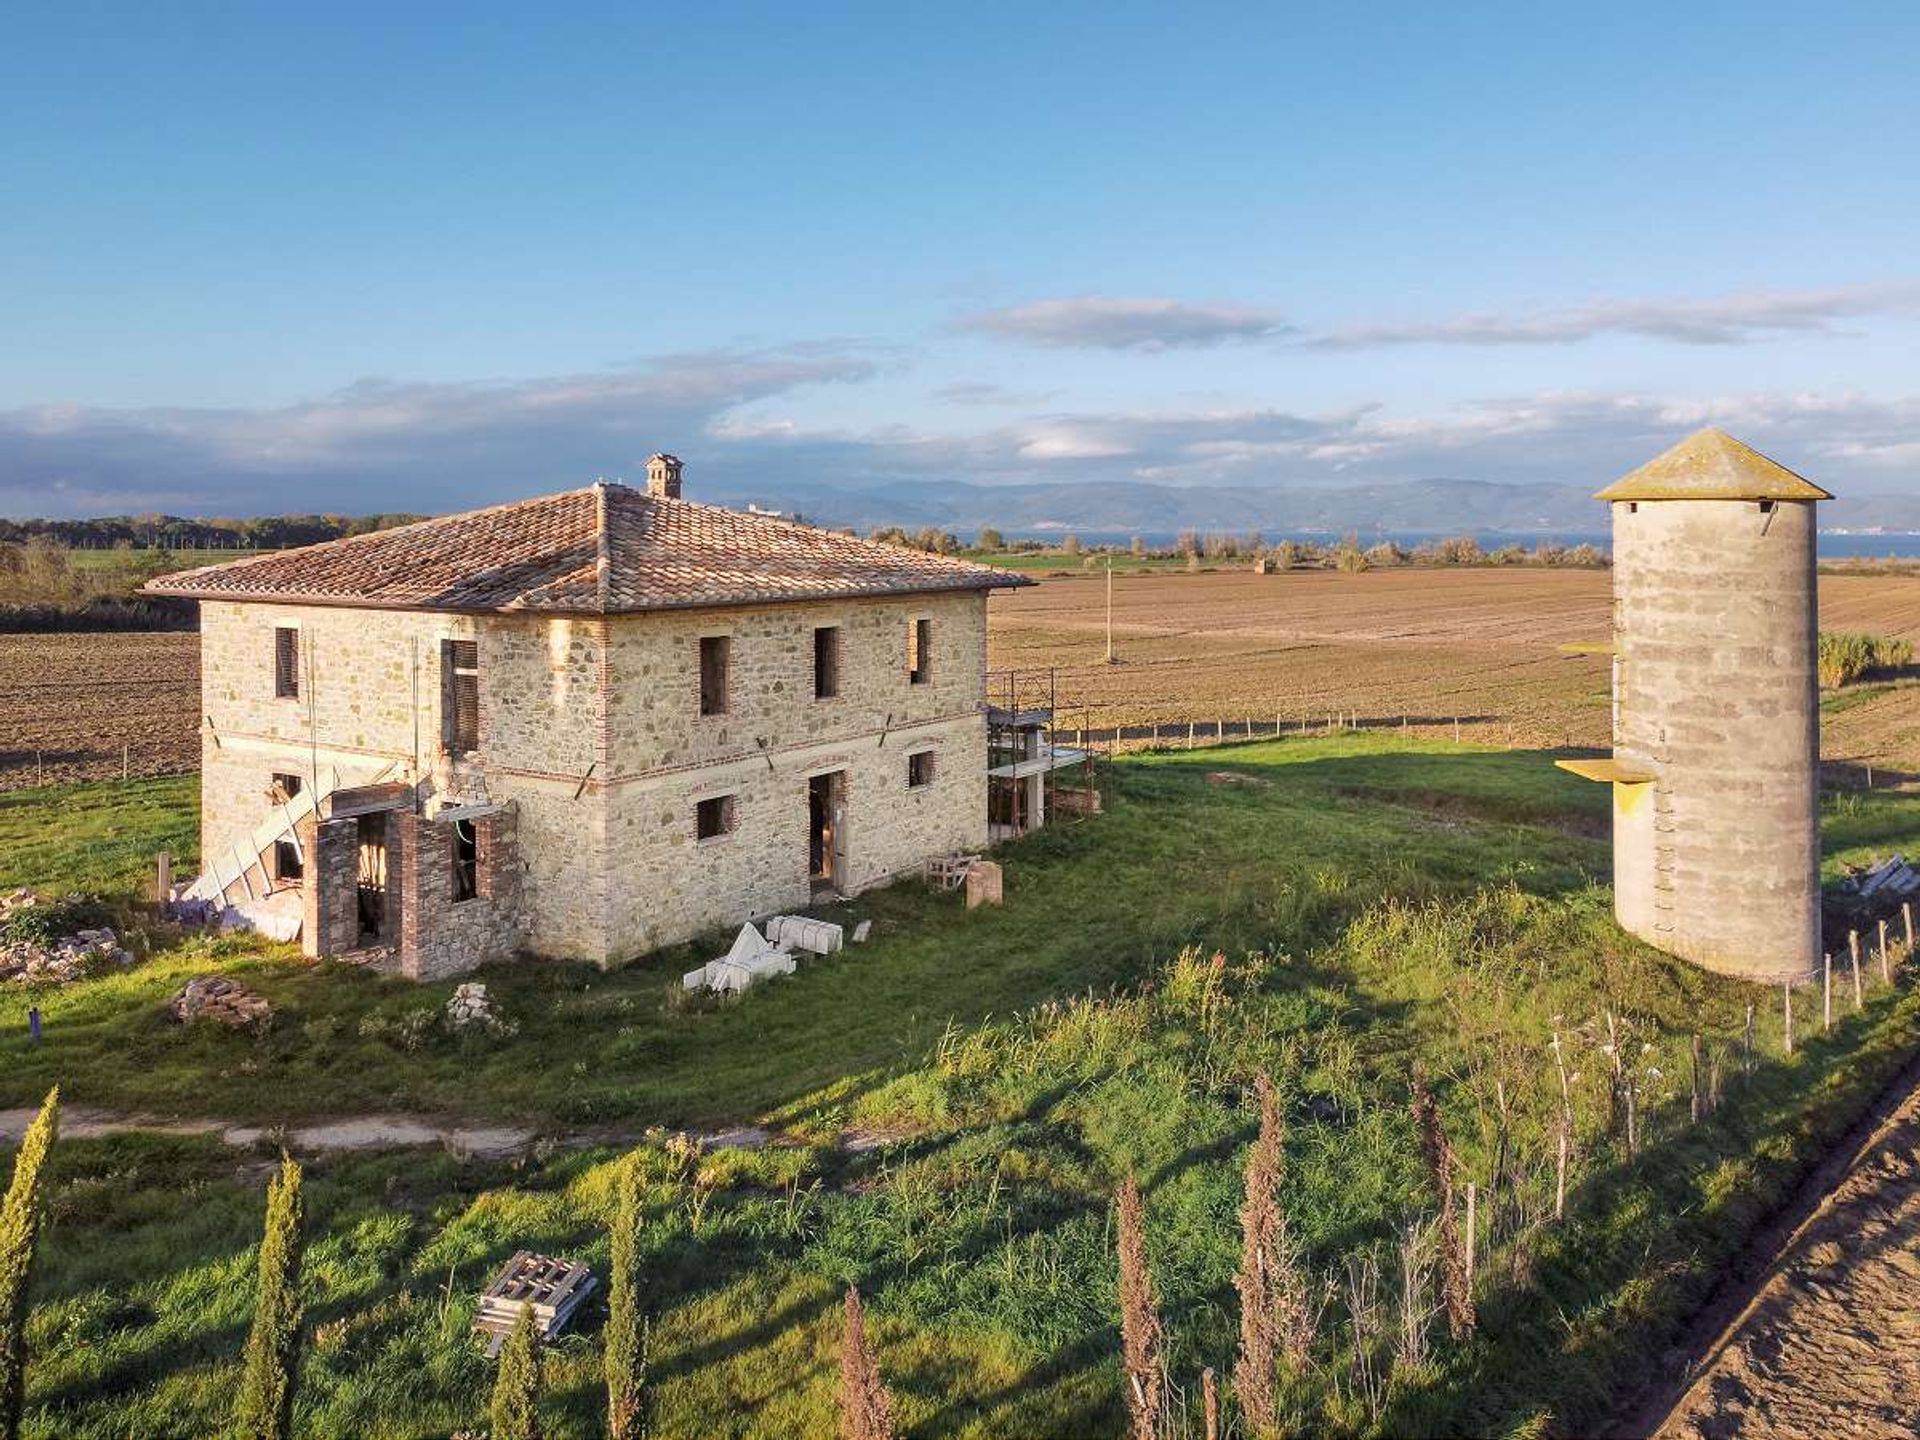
1087, 508
1437, 506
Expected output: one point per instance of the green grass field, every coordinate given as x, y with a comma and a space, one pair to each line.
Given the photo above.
1376, 907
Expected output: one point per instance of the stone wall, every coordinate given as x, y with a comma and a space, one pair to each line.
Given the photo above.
439, 936
331, 918
590, 729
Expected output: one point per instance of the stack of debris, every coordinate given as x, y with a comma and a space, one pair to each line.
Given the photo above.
751, 959
797, 932
1865, 895
36, 957
553, 1288
471, 1008
223, 1001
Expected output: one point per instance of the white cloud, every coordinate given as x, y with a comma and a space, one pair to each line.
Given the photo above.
1096, 322
1725, 320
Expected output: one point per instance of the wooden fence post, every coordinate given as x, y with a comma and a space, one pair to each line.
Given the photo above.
1826, 991
1906, 914
1786, 993
1859, 1001
1886, 972
1694, 1108
1746, 1042
162, 877
1473, 1234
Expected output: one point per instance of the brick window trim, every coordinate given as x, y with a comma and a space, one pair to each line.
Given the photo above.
721, 811
921, 768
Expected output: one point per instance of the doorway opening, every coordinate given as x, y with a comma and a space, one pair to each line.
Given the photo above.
372, 877
826, 830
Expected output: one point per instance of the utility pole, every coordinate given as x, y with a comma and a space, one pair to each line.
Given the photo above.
1109, 609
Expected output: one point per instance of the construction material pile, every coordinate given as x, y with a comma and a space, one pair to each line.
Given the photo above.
32, 951
1866, 894
552, 1287
223, 1001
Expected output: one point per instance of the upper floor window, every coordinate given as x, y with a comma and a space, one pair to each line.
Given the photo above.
286, 662
826, 662
713, 674
460, 694
920, 652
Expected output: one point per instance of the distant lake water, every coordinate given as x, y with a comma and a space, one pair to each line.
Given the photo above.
1831, 546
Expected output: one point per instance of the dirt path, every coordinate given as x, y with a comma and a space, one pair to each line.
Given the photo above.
1830, 1343
346, 1134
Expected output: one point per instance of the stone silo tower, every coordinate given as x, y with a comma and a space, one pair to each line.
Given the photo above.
1715, 773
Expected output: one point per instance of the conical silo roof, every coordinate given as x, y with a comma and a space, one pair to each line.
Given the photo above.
1711, 465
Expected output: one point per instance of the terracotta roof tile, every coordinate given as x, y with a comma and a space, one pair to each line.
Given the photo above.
605, 550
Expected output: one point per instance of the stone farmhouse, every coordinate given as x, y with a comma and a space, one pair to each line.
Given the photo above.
583, 726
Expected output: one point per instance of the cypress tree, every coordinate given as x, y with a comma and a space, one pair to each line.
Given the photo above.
626, 1341
516, 1389
273, 1348
1142, 1340
19, 1229
866, 1409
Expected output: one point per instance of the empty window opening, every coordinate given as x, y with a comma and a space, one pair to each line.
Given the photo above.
460, 708
286, 662
466, 861
713, 674
713, 818
1766, 507
286, 853
920, 768
826, 662
920, 652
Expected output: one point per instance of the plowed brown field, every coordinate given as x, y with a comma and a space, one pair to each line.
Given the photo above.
74, 707
1422, 646
1482, 645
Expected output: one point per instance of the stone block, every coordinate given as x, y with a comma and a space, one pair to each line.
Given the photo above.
983, 884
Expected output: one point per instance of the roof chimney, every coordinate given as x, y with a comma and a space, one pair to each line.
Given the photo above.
663, 477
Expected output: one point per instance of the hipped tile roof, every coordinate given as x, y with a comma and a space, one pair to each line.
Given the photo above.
606, 550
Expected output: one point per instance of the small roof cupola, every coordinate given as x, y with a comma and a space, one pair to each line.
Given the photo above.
663, 476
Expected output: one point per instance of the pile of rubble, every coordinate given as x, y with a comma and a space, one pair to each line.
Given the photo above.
1865, 894
59, 960
470, 1008
223, 1001
755, 957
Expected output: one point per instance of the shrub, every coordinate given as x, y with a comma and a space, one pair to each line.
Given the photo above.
273, 1348
19, 1232
1846, 657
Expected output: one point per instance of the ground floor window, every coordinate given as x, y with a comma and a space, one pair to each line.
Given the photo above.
920, 768
287, 864
713, 818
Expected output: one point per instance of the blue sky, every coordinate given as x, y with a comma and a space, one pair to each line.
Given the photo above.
348, 258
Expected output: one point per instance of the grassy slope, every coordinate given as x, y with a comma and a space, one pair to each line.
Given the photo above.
1401, 906
1179, 861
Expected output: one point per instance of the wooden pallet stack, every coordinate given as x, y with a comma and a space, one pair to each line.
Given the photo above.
554, 1288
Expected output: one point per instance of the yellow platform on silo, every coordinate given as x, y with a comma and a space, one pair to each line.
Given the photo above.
1618, 772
